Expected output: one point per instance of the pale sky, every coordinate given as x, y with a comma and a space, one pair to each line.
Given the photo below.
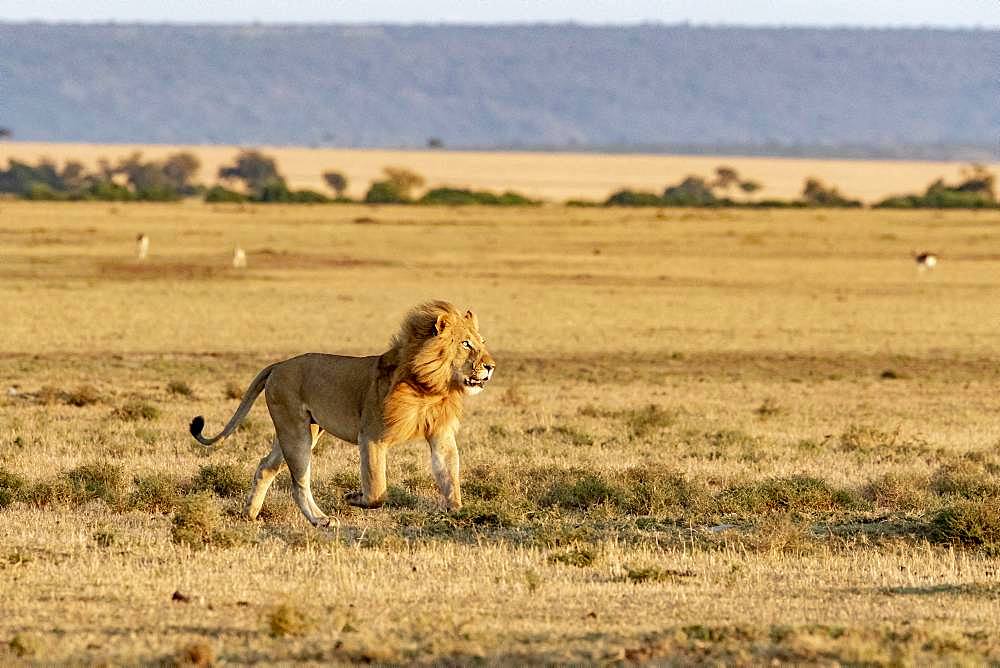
872, 13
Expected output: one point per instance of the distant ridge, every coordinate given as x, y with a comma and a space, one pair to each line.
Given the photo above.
922, 93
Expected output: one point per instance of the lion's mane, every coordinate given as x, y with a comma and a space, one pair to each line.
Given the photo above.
424, 399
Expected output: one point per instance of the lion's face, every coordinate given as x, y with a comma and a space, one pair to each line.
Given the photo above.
442, 350
473, 366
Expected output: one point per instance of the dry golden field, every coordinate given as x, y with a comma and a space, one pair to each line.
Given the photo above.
553, 176
714, 436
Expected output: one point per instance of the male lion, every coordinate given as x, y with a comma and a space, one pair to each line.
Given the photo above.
411, 392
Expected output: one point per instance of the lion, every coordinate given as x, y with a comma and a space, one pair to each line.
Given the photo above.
412, 392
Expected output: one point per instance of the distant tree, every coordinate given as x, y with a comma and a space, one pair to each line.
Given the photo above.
404, 180
336, 181
692, 191
6, 133
179, 170
979, 180
74, 176
749, 187
385, 192
816, 193
435, 142
255, 169
725, 178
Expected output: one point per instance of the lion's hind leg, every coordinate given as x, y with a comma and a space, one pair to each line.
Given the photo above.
268, 468
296, 446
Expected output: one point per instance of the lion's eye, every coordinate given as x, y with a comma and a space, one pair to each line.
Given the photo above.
467, 344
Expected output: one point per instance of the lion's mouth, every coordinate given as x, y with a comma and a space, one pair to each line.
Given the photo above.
475, 382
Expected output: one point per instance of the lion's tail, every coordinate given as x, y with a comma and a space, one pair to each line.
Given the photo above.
256, 387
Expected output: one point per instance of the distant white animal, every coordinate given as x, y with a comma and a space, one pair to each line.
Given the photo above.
142, 246
239, 258
925, 260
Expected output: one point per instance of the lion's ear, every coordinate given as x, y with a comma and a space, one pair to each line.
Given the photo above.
441, 323
471, 317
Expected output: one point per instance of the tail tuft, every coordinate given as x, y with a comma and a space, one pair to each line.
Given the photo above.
197, 425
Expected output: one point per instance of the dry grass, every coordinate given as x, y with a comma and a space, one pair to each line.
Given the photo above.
693, 452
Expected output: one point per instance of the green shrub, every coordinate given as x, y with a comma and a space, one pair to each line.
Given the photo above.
658, 490
225, 480
462, 196
385, 192
220, 194
197, 521
48, 493
580, 490
692, 191
103, 480
894, 491
801, 494
12, 487
975, 192
43, 192
155, 493
628, 197
965, 479
107, 191
137, 410
279, 192
968, 523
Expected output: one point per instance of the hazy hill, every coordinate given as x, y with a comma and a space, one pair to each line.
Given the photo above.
500, 86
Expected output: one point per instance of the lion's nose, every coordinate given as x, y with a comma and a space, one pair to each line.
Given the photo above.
490, 367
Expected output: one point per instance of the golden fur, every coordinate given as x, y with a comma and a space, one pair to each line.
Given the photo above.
413, 391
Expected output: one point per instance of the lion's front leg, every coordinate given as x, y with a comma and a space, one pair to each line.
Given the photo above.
373, 484
444, 463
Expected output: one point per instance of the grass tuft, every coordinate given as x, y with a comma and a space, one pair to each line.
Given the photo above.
197, 521
866, 438
136, 409
658, 490
801, 494
102, 480
12, 488
287, 620
180, 388
85, 395
966, 479
639, 574
198, 653
154, 493
647, 421
579, 556
233, 390
897, 492
970, 524
105, 537
24, 645
225, 480
580, 490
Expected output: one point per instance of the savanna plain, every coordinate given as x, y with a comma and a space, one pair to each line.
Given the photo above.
713, 436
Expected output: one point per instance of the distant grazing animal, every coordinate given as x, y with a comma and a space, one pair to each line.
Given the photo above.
925, 260
142, 246
239, 258
412, 392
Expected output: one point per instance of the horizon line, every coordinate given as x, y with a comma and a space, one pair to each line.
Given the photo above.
201, 23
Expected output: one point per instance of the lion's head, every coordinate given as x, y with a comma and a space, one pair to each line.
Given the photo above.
441, 350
